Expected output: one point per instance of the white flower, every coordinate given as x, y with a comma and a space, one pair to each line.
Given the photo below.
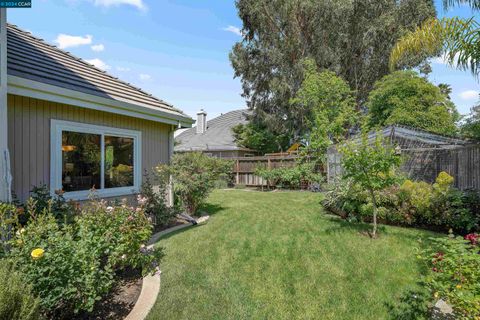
141, 200
109, 209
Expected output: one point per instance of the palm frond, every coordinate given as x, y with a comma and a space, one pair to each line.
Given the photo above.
474, 4
457, 39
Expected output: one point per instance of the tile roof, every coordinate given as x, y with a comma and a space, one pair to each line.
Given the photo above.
219, 135
32, 58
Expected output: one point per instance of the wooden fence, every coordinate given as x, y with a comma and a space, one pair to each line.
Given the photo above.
244, 168
462, 163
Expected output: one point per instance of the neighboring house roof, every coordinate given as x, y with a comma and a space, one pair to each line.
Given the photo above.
33, 59
218, 136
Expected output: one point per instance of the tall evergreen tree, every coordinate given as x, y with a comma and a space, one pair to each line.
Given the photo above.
352, 38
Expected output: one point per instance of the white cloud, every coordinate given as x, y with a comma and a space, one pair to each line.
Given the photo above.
66, 41
99, 64
108, 3
233, 29
98, 47
123, 69
469, 95
145, 77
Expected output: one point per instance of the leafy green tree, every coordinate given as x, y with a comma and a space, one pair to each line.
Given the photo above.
351, 38
405, 98
457, 39
371, 166
332, 105
194, 175
257, 137
471, 127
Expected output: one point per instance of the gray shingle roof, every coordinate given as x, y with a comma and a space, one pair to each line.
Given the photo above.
32, 58
219, 135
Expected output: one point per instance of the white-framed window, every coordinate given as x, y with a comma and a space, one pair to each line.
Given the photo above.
86, 156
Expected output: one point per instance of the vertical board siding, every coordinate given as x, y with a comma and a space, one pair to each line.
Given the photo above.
29, 138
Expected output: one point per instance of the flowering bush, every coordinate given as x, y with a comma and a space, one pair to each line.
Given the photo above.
41, 200
17, 301
454, 276
72, 266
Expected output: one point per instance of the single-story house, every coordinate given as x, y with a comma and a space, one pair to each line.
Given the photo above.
72, 126
215, 137
425, 155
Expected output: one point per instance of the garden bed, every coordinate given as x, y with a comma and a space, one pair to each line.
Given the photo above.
118, 304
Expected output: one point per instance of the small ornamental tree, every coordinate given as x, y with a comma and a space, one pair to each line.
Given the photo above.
194, 175
371, 166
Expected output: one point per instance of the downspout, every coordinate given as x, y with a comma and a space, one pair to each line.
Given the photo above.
5, 175
171, 144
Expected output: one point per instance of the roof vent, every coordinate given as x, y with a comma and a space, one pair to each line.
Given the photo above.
201, 121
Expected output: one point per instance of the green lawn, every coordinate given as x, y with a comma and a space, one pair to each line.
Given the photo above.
276, 255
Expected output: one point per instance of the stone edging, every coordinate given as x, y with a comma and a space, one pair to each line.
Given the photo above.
151, 283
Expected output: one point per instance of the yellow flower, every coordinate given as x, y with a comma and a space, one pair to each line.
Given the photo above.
458, 286
37, 253
435, 294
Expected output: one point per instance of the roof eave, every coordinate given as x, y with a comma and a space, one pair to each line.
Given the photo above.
38, 90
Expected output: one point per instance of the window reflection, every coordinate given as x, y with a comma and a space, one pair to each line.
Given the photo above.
118, 162
80, 161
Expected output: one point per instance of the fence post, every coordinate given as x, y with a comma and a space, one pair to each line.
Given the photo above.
237, 169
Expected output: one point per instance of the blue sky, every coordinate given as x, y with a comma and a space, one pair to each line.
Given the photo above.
175, 49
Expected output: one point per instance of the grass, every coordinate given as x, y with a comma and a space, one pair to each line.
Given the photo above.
276, 255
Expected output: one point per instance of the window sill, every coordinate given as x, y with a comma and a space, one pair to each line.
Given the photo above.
105, 193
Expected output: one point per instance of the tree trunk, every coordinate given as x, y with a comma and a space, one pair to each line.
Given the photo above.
374, 201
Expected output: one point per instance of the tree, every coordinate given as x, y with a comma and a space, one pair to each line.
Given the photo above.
471, 127
194, 175
445, 89
405, 98
351, 38
371, 166
454, 38
257, 137
332, 104
425, 69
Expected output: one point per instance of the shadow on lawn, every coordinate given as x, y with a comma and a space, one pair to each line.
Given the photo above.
413, 302
211, 208
344, 226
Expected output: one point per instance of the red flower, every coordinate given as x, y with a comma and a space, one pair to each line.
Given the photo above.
473, 238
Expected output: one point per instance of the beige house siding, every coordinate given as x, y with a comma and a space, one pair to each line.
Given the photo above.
29, 137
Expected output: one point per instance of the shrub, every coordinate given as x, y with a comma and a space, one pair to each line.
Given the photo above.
406, 202
194, 175
17, 301
454, 275
73, 266
155, 200
290, 177
62, 210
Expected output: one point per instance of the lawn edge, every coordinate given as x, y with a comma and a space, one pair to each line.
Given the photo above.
151, 283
